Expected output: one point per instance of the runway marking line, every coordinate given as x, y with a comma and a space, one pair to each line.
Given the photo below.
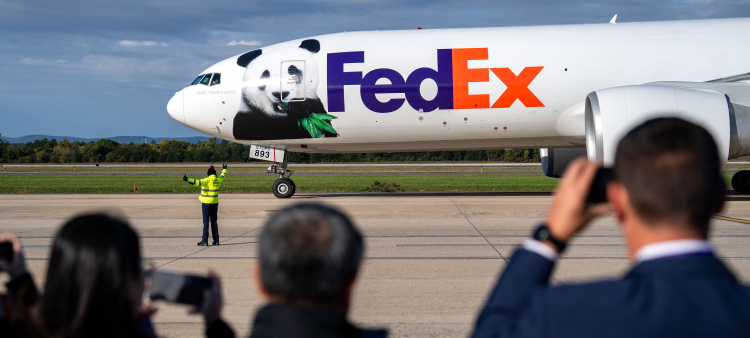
723, 218
477, 230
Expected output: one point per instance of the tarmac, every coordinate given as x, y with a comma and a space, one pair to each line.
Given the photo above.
431, 258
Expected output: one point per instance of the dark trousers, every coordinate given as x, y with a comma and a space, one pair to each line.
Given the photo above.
210, 212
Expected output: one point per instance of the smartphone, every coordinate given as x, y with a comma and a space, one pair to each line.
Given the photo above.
176, 287
598, 192
6, 251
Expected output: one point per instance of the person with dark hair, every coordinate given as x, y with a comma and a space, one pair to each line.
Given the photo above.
94, 284
210, 201
308, 259
667, 184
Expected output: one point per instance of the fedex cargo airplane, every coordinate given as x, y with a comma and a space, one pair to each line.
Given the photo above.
570, 90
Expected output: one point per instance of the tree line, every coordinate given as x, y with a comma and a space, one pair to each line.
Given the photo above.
108, 151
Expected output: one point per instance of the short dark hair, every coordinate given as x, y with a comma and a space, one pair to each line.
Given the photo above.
94, 261
671, 170
309, 251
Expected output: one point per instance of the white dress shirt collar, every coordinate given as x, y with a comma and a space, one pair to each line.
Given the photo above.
672, 248
646, 253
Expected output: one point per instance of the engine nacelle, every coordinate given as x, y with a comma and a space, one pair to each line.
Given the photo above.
611, 113
556, 160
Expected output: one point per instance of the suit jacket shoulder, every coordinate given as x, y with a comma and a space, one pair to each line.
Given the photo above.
671, 297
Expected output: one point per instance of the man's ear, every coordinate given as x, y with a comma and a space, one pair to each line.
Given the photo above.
350, 287
258, 280
618, 199
246, 58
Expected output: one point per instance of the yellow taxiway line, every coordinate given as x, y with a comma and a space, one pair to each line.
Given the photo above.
731, 219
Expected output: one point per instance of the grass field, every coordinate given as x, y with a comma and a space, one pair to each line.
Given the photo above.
262, 184
299, 168
260, 167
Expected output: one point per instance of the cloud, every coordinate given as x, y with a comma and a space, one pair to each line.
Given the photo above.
130, 43
246, 43
31, 62
45, 31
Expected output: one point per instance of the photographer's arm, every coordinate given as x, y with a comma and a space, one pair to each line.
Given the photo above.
21, 288
211, 310
508, 312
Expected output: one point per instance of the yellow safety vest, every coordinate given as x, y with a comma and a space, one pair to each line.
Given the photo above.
209, 187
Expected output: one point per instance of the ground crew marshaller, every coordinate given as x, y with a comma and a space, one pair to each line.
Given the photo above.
210, 199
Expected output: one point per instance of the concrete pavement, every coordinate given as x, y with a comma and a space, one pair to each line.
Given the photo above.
430, 259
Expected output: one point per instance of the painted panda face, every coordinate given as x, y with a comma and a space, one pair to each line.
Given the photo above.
280, 75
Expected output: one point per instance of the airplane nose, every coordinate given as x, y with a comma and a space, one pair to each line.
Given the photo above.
175, 107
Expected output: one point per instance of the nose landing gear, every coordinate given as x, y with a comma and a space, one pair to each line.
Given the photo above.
283, 187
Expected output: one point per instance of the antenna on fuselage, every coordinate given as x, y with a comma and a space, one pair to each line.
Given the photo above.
614, 18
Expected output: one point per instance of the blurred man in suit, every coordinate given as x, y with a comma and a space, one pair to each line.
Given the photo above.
667, 184
309, 256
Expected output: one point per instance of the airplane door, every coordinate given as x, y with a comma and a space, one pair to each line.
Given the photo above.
293, 80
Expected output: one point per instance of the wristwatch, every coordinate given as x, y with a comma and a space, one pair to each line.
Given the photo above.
542, 234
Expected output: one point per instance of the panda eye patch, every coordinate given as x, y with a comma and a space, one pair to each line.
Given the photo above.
265, 75
294, 71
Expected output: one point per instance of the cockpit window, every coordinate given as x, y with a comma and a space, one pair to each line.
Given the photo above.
198, 79
216, 80
206, 79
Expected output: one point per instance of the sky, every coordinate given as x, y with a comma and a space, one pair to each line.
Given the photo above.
93, 68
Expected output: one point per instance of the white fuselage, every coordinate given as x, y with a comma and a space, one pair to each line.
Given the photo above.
550, 70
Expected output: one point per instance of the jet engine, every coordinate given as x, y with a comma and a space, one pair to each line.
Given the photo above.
556, 160
611, 113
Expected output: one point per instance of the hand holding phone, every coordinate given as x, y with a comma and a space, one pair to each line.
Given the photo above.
571, 210
212, 302
6, 251
11, 256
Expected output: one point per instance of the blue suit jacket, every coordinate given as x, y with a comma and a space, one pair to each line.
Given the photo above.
692, 296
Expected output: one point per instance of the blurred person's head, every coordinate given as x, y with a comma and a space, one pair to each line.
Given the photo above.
309, 255
211, 171
667, 180
94, 281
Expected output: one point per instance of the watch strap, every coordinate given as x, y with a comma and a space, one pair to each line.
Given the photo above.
542, 234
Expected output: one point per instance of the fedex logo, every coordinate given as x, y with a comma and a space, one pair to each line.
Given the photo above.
452, 76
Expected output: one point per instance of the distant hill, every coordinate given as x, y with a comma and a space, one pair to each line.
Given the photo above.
120, 139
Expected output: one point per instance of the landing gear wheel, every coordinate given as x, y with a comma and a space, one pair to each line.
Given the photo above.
284, 188
741, 182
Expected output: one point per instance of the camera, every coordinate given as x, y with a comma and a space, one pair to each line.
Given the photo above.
598, 191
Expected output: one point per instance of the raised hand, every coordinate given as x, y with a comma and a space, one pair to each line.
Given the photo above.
570, 212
